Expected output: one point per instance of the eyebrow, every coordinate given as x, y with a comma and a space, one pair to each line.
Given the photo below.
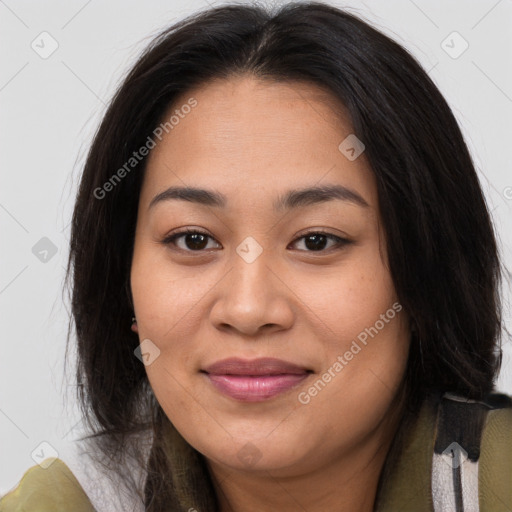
296, 198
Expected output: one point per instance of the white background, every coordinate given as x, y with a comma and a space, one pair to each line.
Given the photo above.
51, 107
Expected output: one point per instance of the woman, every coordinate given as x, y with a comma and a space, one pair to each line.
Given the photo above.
285, 281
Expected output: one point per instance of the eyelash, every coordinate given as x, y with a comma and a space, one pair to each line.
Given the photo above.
340, 242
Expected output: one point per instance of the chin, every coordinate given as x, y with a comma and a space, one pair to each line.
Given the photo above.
256, 455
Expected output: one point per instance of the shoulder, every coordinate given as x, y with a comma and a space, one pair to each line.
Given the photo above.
496, 459
454, 452
49, 487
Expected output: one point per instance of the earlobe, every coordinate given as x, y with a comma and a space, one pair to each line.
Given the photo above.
134, 325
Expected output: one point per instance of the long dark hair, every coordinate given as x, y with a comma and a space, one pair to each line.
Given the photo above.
441, 244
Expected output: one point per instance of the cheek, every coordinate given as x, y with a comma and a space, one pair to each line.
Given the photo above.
363, 330
162, 293
170, 314
351, 297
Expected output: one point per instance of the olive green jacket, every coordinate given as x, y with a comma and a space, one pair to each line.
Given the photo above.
439, 467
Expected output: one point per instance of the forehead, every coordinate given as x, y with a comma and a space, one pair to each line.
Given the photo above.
252, 136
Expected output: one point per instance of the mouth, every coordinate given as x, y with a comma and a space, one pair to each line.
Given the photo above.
255, 380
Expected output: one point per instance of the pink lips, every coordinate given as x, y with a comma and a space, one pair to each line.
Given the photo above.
256, 380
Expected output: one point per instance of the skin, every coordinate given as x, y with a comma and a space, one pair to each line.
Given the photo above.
254, 140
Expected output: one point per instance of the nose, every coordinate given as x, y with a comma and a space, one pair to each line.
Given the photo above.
254, 298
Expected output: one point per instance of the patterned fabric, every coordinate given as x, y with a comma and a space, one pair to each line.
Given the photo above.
456, 453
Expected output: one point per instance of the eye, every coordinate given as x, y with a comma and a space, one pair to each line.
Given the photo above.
317, 240
195, 240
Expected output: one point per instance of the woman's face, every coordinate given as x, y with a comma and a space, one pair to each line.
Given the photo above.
258, 282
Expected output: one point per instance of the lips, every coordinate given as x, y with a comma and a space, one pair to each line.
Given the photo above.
256, 380
262, 366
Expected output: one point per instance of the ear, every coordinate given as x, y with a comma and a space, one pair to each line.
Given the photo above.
135, 327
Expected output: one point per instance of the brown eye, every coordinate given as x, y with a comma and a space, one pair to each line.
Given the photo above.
316, 241
194, 241
197, 241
